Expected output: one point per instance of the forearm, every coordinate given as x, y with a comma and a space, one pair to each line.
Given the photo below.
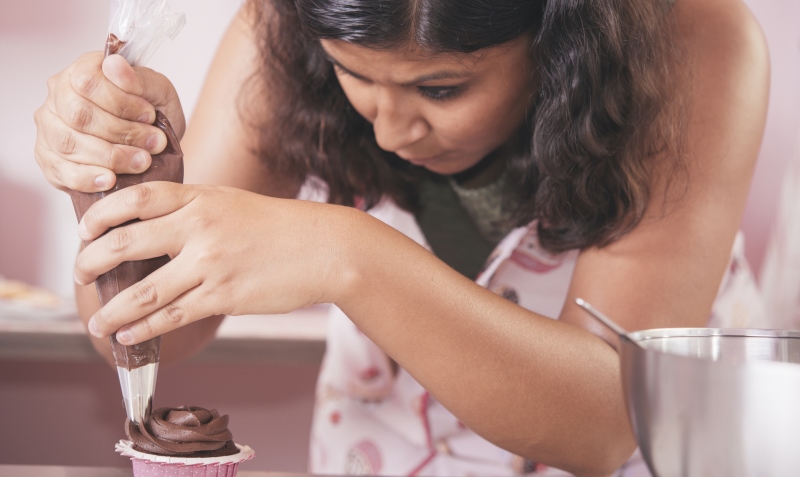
544, 389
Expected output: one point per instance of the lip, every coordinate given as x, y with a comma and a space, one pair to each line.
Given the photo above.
419, 161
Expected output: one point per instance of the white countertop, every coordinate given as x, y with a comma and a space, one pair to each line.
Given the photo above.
295, 337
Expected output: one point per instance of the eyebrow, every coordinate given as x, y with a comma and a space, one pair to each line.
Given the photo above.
446, 74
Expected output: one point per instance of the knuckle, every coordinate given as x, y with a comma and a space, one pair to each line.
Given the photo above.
56, 174
173, 314
51, 83
120, 239
139, 196
72, 179
80, 115
80, 264
110, 157
66, 143
207, 256
101, 318
145, 294
89, 217
125, 110
130, 137
86, 83
202, 222
146, 328
37, 156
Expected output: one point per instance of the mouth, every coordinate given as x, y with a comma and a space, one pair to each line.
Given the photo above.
421, 160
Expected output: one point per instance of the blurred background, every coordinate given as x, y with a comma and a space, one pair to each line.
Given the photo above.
38, 242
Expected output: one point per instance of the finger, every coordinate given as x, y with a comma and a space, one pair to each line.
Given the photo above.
66, 175
86, 117
143, 82
185, 309
142, 201
87, 78
85, 149
136, 241
156, 291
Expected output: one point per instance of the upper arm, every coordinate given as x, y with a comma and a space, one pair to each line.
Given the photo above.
667, 271
220, 145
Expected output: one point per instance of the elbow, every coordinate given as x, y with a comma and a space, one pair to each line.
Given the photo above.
604, 461
605, 465
595, 445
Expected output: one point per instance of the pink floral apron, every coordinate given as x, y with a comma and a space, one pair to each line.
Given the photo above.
370, 421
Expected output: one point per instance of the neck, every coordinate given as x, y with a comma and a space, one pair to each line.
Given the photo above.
491, 167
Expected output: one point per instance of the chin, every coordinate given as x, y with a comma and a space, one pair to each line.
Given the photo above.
448, 168
444, 171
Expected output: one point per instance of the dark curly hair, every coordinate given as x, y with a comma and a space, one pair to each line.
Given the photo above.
605, 115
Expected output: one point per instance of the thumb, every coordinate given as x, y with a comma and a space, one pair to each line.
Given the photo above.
122, 75
154, 87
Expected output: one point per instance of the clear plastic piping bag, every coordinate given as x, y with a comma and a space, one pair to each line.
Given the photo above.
137, 29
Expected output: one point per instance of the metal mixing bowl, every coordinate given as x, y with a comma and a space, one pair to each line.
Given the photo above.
715, 402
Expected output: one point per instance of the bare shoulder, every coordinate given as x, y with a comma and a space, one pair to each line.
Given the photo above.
723, 36
221, 143
727, 54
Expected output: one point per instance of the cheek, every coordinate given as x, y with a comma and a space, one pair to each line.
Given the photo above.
483, 121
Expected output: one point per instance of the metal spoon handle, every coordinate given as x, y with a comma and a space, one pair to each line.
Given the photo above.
603, 318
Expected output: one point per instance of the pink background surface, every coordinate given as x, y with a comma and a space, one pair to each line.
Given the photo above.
69, 413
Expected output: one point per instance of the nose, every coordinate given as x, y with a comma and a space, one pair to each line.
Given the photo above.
397, 123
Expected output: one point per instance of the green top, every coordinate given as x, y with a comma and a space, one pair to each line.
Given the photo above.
462, 226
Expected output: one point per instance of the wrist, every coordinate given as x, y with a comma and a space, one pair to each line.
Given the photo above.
348, 261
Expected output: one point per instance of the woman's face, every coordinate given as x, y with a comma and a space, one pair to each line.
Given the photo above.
445, 112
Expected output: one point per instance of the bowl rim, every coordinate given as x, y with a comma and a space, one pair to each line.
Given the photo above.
660, 333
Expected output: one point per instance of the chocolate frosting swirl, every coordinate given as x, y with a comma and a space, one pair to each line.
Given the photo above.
186, 431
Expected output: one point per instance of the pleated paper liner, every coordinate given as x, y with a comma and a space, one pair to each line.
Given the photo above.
150, 465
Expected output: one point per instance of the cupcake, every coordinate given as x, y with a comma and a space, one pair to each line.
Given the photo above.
183, 442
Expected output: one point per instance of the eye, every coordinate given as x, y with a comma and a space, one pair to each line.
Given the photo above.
439, 93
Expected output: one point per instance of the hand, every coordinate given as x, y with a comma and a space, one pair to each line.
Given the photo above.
233, 252
97, 122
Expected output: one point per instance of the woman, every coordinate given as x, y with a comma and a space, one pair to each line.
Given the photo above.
605, 148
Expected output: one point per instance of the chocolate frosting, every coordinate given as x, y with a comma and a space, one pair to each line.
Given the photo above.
186, 431
166, 166
113, 44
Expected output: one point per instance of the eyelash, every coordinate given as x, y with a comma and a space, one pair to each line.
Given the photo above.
439, 93
435, 93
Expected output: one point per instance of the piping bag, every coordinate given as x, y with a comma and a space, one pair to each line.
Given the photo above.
136, 30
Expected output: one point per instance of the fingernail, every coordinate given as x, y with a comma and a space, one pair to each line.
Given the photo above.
138, 161
92, 325
145, 118
101, 181
124, 336
152, 142
83, 232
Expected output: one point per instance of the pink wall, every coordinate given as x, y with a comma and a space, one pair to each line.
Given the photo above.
780, 20
40, 37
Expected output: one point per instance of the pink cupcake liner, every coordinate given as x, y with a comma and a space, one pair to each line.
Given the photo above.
149, 465
143, 468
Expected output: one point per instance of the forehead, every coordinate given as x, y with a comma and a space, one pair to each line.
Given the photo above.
402, 64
